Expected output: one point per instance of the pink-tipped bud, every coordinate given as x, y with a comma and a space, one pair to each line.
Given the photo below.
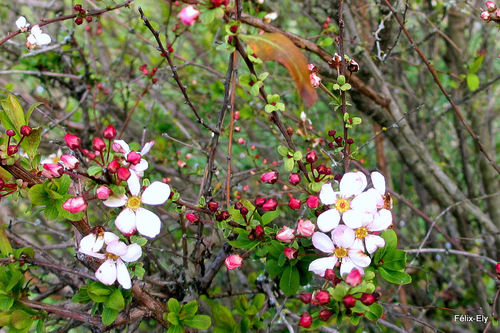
305, 228
233, 261
306, 320
259, 231
73, 141
10, 132
222, 216
270, 177
98, 144
109, 132
491, 6
75, 205
290, 253
312, 202
113, 166
349, 301
133, 157
103, 192
353, 278
305, 297
322, 297
294, 178
270, 205
26, 130
286, 234
12, 149
123, 174
192, 217
367, 299
311, 157
70, 162
213, 206
294, 204
53, 170
325, 314
486, 16
188, 15
260, 201
497, 269
330, 275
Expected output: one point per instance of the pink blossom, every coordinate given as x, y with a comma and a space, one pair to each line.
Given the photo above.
290, 253
294, 178
353, 278
315, 80
486, 16
188, 15
109, 132
305, 228
491, 6
312, 202
72, 141
52, 170
294, 203
270, 205
75, 205
270, 177
286, 234
233, 261
103, 192
70, 162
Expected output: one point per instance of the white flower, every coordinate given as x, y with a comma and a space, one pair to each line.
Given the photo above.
133, 217
351, 210
343, 248
93, 242
22, 24
114, 268
376, 222
36, 37
270, 17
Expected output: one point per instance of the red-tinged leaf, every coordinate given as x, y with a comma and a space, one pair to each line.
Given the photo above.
277, 47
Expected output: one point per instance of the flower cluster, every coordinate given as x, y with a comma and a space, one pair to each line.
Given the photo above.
35, 37
492, 13
364, 214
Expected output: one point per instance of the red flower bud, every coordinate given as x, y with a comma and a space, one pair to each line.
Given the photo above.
325, 314
305, 297
349, 301
497, 268
270, 177
103, 192
311, 157
238, 205
260, 201
332, 133
367, 299
98, 144
244, 211
233, 261
224, 215
294, 178
290, 253
306, 320
75, 205
330, 275
78, 21
89, 19
133, 157
353, 278
270, 205
312, 202
192, 217
123, 174
12, 149
213, 206
322, 297
259, 231
113, 166
72, 141
109, 132
294, 203
26, 130
77, 8
10, 132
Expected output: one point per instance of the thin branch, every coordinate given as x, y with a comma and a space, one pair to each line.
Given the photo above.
461, 253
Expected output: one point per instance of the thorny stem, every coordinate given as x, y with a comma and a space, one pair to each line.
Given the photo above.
448, 97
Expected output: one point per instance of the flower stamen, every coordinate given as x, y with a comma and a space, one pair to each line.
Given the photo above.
340, 252
361, 232
134, 203
342, 205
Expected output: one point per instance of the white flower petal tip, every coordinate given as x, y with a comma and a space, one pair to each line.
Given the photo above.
106, 273
156, 193
148, 223
116, 201
327, 195
329, 220
322, 242
378, 181
352, 184
122, 274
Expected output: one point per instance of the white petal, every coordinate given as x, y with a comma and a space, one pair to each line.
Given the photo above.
31, 39
366, 202
124, 146
319, 266
147, 147
117, 248
110, 237
35, 30
21, 22
343, 236
353, 218
99, 242
347, 266
156, 193
140, 167
134, 252
378, 181
327, 195
134, 184
322, 242
359, 258
114, 201
43, 39
382, 220
126, 222
148, 223
106, 273
373, 242
87, 243
329, 220
352, 183
123, 275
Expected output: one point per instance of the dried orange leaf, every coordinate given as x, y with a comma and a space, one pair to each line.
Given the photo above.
277, 47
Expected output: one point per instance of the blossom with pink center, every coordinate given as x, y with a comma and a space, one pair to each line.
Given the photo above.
315, 80
342, 248
188, 15
133, 217
233, 261
351, 203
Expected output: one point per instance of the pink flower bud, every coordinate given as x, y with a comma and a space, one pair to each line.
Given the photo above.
213, 206
312, 202
72, 141
54, 170
311, 157
353, 66
486, 16
367, 299
233, 261
98, 144
260, 201
270, 205
133, 157
294, 204
290, 253
70, 162
325, 314
497, 268
330, 275
491, 6
10, 132
103, 192
315, 80
188, 15
353, 278
270, 177
306, 320
305, 228
322, 297
305, 297
12, 149
113, 166
286, 235
349, 301
294, 178
192, 217
75, 205
26, 130
123, 174
109, 132
259, 231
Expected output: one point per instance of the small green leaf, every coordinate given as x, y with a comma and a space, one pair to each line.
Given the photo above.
176, 329
201, 322
223, 317
95, 170
6, 302
115, 300
188, 310
173, 318
283, 151
326, 42
341, 80
272, 267
394, 276
109, 315
207, 17
289, 282
269, 216
20, 319
288, 164
173, 305
472, 81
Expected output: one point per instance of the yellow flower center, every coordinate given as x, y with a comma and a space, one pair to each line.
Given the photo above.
340, 252
111, 256
361, 232
134, 203
342, 205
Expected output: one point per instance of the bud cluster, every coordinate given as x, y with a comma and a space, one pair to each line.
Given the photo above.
12, 149
492, 13
151, 74
81, 15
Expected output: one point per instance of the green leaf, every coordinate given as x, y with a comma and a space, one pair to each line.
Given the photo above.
207, 17
53, 195
30, 143
30, 111
38, 195
5, 246
188, 310
15, 278
341, 80
283, 151
474, 67
201, 322
176, 329
20, 319
14, 112
259, 300
289, 282
109, 315
173, 318
395, 277
272, 267
223, 317
269, 216
339, 292
115, 300
395, 260
297, 156
269, 108
6, 302
95, 170
326, 42
173, 305
289, 163
472, 81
